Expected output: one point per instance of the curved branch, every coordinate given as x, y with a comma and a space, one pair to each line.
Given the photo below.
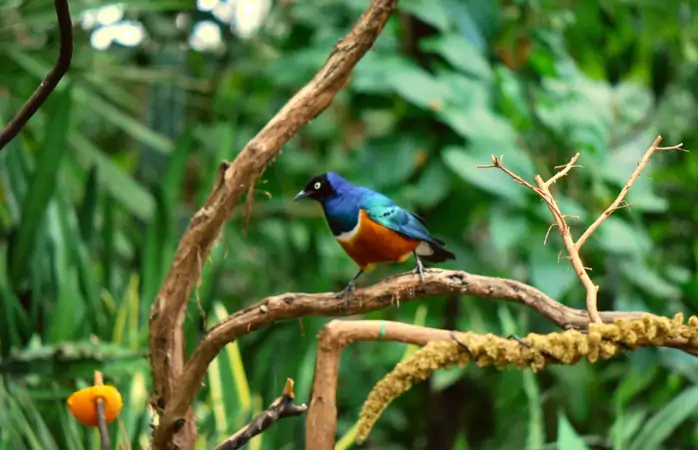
321, 424
51, 80
400, 288
171, 399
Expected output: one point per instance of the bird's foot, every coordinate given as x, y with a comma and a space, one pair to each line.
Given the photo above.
419, 270
344, 294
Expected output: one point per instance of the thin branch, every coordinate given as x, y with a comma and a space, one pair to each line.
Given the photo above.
542, 188
565, 170
171, 399
576, 260
101, 415
617, 203
51, 80
280, 408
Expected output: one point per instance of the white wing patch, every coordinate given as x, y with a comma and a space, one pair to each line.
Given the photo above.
348, 236
424, 249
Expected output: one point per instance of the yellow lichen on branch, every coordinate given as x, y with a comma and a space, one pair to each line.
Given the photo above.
536, 351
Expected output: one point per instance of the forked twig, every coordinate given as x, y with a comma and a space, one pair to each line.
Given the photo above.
542, 188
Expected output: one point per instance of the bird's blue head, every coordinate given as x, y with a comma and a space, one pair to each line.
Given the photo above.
322, 188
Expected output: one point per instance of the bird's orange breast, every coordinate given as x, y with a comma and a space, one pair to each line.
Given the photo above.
372, 243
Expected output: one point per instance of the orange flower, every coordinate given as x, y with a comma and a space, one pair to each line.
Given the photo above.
83, 404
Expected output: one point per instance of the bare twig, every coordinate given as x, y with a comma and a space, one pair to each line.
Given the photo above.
51, 80
542, 188
576, 261
171, 399
618, 202
101, 415
565, 170
280, 408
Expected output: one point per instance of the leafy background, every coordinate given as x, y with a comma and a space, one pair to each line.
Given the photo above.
98, 188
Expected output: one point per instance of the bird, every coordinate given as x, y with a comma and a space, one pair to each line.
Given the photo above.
371, 228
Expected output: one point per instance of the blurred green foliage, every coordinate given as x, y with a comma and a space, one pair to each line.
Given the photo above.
97, 190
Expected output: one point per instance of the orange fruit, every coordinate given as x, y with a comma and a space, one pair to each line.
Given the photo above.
83, 404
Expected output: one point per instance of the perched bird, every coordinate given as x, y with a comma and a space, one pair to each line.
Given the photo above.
371, 228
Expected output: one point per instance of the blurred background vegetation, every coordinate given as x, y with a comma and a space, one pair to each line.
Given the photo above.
96, 191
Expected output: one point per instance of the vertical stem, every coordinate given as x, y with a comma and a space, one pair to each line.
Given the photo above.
101, 415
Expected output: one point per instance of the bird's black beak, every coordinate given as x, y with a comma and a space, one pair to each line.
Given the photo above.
300, 195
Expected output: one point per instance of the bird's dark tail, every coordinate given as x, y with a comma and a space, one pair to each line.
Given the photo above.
438, 253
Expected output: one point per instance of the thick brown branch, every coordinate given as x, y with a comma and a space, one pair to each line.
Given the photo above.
400, 288
321, 423
280, 408
536, 350
51, 80
171, 399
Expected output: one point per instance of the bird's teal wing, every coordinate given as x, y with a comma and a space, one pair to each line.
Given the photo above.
382, 210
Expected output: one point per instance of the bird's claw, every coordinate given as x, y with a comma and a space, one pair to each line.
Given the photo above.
419, 270
344, 294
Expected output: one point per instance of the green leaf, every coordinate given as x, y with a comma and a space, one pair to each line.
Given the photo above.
387, 162
618, 236
507, 228
535, 436
490, 180
626, 426
44, 179
567, 437
88, 208
578, 110
432, 186
637, 273
420, 88
550, 275
660, 426
90, 99
369, 76
459, 53
432, 12
114, 179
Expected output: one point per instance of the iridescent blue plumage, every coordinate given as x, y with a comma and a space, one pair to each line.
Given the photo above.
343, 201
370, 227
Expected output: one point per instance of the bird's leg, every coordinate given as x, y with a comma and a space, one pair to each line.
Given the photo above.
349, 289
420, 267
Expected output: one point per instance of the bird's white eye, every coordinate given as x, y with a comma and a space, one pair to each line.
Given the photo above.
317, 185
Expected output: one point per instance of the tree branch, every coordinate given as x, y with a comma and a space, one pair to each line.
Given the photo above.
321, 423
542, 188
51, 80
171, 399
443, 349
399, 288
280, 408
617, 203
